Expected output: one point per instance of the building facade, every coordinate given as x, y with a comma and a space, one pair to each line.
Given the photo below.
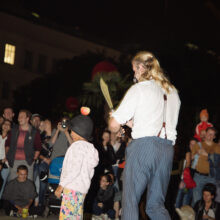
29, 50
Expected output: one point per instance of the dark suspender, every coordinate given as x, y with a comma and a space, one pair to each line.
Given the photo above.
164, 117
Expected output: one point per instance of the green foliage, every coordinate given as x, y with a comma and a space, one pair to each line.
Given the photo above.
92, 94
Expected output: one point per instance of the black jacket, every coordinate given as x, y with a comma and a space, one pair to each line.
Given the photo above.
28, 145
106, 197
200, 206
106, 157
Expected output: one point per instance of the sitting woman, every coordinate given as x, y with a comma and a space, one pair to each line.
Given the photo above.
207, 208
104, 201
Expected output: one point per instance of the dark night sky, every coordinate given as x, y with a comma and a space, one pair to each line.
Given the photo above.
134, 22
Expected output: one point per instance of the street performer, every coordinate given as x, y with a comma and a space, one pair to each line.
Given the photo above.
151, 108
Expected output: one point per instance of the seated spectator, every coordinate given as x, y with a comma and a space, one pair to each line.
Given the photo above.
104, 200
207, 208
19, 193
117, 195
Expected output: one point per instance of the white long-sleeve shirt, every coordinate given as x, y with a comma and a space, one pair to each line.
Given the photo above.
144, 104
78, 166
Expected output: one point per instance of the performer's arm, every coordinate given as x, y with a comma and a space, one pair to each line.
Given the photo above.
125, 112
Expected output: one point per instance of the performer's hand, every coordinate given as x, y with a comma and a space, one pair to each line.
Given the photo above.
58, 191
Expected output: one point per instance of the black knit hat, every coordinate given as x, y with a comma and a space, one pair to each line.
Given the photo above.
82, 125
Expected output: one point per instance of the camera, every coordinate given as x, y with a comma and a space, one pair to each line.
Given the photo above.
64, 123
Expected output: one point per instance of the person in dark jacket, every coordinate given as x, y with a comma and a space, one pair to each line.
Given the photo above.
207, 208
23, 145
106, 153
104, 200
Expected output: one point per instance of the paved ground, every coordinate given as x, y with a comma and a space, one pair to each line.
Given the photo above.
4, 217
50, 217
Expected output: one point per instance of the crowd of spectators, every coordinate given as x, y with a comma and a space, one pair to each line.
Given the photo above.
28, 146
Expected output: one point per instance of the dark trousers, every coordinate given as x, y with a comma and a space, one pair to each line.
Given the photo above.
38, 168
9, 205
98, 211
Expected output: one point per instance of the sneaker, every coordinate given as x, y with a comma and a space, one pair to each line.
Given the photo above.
14, 214
11, 213
96, 217
104, 216
32, 216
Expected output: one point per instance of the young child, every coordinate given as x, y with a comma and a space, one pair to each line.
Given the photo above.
78, 168
104, 201
204, 117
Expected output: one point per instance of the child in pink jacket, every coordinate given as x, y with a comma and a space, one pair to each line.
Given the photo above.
78, 169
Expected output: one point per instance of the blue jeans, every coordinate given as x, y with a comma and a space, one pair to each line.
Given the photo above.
4, 173
148, 163
183, 197
38, 168
200, 180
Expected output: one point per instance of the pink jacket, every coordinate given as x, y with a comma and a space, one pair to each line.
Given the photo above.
78, 166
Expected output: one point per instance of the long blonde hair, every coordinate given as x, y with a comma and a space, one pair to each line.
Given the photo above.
152, 70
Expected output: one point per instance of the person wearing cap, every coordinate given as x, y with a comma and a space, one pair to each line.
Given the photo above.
152, 105
203, 125
78, 168
35, 120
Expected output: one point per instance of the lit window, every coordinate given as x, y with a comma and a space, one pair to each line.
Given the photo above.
9, 54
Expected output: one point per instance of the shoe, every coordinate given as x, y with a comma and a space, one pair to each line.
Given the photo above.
96, 217
104, 216
11, 213
32, 216
14, 214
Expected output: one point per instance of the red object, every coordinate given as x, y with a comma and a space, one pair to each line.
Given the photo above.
188, 180
121, 165
72, 104
201, 126
85, 110
103, 66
